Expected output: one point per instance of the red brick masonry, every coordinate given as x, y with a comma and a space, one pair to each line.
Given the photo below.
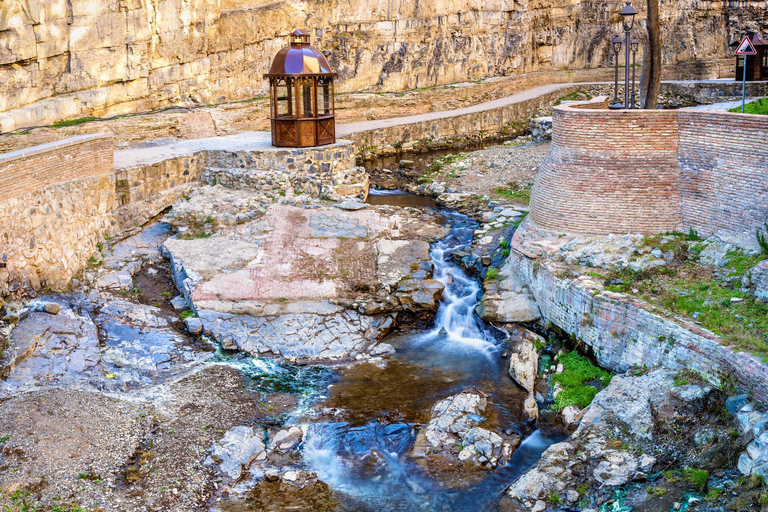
32, 169
651, 171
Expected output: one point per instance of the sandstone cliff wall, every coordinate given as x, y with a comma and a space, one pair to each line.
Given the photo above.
69, 58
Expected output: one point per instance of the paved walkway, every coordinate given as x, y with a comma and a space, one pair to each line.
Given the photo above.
261, 141
347, 129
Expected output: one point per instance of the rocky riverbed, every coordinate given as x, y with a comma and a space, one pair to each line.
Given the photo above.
254, 352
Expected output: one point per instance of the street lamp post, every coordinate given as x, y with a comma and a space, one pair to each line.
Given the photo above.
616, 45
635, 44
627, 20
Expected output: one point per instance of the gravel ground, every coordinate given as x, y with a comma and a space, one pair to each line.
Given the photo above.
481, 172
124, 454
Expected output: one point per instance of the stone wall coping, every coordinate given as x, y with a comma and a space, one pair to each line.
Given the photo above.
51, 146
252, 142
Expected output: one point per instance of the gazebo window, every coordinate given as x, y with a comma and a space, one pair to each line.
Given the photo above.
307, 98
301, 87
284, 97
325, 98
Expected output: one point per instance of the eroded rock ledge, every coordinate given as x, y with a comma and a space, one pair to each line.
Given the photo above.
307, 281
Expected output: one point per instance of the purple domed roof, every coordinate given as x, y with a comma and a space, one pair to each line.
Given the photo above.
300, 59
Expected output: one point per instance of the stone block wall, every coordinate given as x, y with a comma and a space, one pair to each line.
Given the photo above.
142, 191
326, 171
639, 171
504, 120
49, 234
55, 206
623, 332
609, 172
724, 170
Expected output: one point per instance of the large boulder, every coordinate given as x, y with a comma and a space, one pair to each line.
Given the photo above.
634, 415
453, 432
524, 365
508, 299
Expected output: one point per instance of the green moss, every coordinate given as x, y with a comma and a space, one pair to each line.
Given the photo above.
577, 372
196, 236
492, 273
187, 313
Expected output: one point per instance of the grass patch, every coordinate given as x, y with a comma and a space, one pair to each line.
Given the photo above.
492, 273
759, 107
197, 236
187, 313
74, 122
574, 96
696, 477
514, 193
578, 372
688, 289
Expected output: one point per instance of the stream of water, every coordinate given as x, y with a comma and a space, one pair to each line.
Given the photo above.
366, 462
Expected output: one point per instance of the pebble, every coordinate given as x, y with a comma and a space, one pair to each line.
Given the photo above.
52, 308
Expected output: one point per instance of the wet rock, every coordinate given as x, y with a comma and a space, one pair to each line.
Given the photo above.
194, 325
396, 259
524, 365
508, 299
237, 449
420, 295
286, 439
453, 423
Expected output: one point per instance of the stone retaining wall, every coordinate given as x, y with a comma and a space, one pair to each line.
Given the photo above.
58, 201
624, 332
495, 122
327, 171
629, 171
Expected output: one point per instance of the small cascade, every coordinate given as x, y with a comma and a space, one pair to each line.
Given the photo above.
362, 426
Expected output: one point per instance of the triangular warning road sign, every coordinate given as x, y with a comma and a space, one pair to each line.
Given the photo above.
746, 47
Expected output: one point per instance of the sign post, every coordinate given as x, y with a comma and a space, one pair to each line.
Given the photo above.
745, 48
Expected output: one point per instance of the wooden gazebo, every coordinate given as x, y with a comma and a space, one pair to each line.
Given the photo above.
757, 65
301, 96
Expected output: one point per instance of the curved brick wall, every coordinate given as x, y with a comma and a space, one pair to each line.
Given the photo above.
651, 171
724, 168
609, 172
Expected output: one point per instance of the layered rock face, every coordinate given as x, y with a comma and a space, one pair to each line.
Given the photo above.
130, 55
